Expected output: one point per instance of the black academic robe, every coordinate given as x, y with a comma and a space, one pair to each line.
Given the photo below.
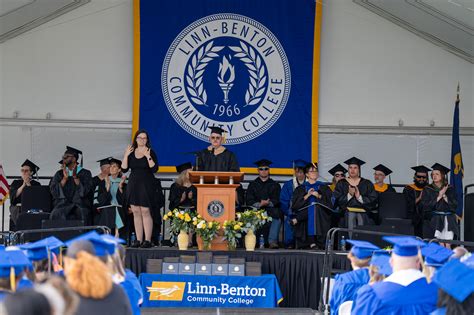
176, 191
14, 186
367, 191
434, 212
415, 211
374, 211
261, 190
102, 198
322, 216
222, 162
72, 201
15, 209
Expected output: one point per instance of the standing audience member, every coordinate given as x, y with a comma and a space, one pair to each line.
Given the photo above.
413, 194
71, 187
28, 169
264, 193
141, 189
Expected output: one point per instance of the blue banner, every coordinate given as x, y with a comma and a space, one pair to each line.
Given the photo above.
210, 291
457, 168
248, 66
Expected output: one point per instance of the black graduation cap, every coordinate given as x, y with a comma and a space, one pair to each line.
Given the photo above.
354, 160
183, 167
116, 161
421, 169
75, 152
382, 168
33, 167
337, 168
310, 165
299, 163
441, 168
216, 129
60, 162
263, 162
105, 161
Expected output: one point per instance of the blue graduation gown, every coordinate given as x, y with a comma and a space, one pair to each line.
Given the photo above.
133, 290
24, 283
312, 209
346, 286
390, 298
286, 195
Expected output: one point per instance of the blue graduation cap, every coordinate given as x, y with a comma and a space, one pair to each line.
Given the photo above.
2, 248
362, 249
381, 259
13, 263
299, 163
102, 248
404, 246
435, 255
456, 279
39, 250
112, 239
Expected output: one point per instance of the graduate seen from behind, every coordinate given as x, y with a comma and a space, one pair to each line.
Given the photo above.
413, 194
406, 290
311, 217
28, 169
264, 193
216, 157
347, 284
141, 193
439, 204
71, 187
286, 196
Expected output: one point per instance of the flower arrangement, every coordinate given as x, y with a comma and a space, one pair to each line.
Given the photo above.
252, 220
180, 220
207, 231
232, 232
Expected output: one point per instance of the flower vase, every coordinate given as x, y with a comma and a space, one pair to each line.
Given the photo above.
206, 245
183, 240
250, 241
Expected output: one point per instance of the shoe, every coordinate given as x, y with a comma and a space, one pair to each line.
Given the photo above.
146, 244
274, 246
135, 244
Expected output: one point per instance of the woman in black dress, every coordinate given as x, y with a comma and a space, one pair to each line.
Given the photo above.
439, 205
141, 190
183, 194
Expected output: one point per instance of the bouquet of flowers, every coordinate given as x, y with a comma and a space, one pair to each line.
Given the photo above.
232, 232
252, 220
207, 231
180, 220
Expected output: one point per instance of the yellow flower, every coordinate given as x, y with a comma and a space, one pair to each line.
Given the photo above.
170, 214
209, 224
195, 223
187, 218
181, 216
199, 216
236, 227
165, 217
241, 223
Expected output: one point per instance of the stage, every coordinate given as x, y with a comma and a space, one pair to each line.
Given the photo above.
298, 272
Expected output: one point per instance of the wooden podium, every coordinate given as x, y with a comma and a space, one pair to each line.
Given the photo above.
216, 195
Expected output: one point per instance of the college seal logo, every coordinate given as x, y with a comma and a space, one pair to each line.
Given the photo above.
226, 70
215, 208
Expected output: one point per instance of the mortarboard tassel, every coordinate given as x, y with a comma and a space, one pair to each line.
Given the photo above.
12, 279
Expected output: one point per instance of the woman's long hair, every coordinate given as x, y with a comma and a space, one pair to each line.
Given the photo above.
148, 143
88, 276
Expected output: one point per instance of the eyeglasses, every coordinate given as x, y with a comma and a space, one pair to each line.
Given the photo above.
216, 138
263, 168
25, 170
67, 156
421, 177
142, 138
339, 175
